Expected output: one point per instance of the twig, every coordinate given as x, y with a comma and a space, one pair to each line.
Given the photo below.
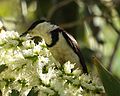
109, 22
77, 22
113, 53
116, 30
116, 44
71, 24
57, 6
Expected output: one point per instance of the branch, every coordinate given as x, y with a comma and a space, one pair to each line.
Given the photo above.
71, 24
77, 22
53, 9
113, 26
113, 53
116, 44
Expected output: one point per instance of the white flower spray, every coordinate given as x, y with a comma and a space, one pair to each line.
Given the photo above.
27, 68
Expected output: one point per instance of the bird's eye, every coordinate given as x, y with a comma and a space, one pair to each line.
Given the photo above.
30, 32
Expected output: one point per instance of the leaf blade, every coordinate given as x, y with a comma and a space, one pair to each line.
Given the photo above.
110, 83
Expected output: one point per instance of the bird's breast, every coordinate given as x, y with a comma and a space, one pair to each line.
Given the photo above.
62, 52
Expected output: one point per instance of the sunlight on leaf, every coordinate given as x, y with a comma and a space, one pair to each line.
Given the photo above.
14, 93
3, 67
34, 91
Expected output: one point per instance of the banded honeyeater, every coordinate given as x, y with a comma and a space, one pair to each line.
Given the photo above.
61, 44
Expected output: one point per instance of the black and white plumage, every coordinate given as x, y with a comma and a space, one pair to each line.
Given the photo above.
61, 44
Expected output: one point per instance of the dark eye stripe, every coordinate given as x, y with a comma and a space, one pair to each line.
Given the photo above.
35, 23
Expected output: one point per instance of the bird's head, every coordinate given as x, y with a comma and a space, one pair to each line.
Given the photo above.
39, 28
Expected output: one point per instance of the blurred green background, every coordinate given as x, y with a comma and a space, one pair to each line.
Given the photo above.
94, 23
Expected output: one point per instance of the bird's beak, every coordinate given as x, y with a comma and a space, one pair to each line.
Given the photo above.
24, 34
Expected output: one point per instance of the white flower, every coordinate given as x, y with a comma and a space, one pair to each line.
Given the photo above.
12, 43
58, 85
12, 34
85, 78
46, 90
40, 66
9, 38
77, 72
34, 66
1, 24
37, 49
43, 59
48, 76
28, 53
28, 44
68, 67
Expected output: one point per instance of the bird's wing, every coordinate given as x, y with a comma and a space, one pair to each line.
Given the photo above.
73, 44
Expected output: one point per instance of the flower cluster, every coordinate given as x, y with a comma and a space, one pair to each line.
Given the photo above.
27, 68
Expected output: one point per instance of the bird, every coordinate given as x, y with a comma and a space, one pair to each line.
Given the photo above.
61, 44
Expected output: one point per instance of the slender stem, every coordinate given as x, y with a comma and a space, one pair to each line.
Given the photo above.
113, 53
116, 30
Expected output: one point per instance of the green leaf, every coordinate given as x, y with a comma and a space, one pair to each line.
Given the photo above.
34, 91
3, 67
23, 82
110, 83
8, 81
33, 58
14, 93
